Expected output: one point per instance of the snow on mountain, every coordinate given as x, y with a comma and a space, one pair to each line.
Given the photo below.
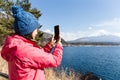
102, 38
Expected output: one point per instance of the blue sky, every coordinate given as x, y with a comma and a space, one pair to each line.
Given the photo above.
80, 18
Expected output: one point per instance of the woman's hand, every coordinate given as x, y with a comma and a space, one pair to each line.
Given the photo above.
53, 42
59, 41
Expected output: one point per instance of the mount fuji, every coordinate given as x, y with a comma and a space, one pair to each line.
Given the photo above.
97, 40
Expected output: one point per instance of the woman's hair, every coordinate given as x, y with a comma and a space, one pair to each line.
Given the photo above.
28, 36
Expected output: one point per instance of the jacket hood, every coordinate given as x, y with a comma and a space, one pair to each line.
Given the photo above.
8, 46
11, 45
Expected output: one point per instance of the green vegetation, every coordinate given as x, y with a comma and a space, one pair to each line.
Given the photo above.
26, 5
6, 28
6, 5
6, 19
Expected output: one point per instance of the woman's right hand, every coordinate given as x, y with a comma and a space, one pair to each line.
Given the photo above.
59, 41
54, 42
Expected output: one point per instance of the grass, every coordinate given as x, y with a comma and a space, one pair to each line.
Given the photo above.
51, 74
3, 67
54, 74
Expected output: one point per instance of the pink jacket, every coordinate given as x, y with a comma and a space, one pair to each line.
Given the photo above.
26, 60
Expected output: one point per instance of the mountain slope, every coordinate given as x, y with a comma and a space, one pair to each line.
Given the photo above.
104, 38
47, 37
96, 40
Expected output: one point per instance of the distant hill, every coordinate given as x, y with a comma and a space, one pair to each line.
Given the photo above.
97, 40
46, 38
103, 38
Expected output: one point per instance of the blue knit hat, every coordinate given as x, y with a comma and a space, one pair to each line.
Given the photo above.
25, 23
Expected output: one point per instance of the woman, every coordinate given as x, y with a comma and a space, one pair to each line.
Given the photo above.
26, 60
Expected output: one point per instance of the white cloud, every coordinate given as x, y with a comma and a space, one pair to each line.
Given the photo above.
114, 23
99, 32
47, 31
75, 35
68, 35
117, 34
71, 35
79, 34
90, 28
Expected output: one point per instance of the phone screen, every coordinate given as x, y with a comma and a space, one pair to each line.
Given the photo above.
57, 32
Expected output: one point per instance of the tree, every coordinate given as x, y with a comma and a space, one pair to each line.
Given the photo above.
36, 12
26, 5
6, 25
6, 5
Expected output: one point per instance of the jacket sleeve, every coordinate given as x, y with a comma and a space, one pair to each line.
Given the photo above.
39, 59
47, 48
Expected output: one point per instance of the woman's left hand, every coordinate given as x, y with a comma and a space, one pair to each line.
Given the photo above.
52, 41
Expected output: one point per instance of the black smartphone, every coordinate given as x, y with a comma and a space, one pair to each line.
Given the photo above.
56, 32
